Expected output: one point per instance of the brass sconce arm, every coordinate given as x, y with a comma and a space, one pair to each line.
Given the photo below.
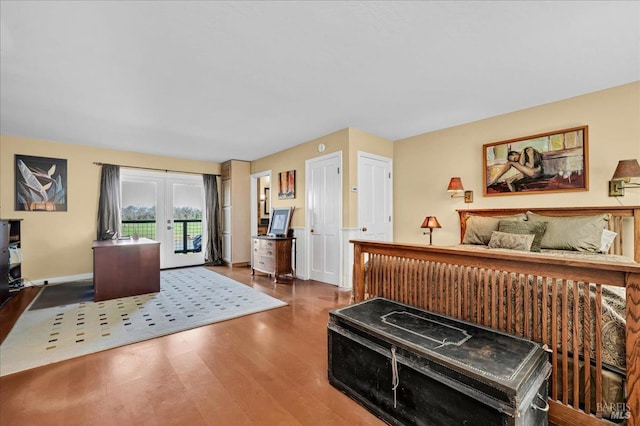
457, 190
621, 179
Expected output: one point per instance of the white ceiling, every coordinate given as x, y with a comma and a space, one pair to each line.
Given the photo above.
220, 80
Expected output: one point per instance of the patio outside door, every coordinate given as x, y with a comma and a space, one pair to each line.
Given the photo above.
166, 207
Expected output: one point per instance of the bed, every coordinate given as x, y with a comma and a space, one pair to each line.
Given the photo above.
584, 308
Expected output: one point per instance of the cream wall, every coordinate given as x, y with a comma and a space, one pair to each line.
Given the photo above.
58, 244
424, 164
349, 141
294, 159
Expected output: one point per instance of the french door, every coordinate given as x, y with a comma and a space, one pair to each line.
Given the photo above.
166, 207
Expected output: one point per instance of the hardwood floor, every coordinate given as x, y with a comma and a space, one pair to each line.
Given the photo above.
268, 368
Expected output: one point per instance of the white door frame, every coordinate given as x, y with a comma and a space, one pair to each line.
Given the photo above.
307, 225
253, 189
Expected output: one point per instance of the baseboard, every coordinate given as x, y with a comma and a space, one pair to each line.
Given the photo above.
58, 280
237, 264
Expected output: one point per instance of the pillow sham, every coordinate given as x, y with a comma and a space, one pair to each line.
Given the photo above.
606, 240
581, 233
479, 228
514, 227
506, 240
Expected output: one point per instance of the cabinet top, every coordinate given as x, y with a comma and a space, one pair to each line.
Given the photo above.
124, 242
266, 237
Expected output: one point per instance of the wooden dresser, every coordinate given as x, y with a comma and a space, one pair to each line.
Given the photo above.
272, 256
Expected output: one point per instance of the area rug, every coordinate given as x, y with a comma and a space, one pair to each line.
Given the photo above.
188, 298
63, 294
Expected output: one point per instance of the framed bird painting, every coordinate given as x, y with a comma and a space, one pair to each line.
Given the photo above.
41, 183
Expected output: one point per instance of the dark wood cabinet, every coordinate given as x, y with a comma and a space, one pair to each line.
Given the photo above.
4, 261
272, 256
124, 268
15, 254
10, 258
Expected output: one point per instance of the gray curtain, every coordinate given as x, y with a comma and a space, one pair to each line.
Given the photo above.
213, 255
109, 202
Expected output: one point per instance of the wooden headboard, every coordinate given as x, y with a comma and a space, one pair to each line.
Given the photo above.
621, 218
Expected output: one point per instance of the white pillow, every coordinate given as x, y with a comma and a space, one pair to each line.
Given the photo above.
606, 240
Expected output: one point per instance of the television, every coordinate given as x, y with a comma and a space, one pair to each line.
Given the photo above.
279, 221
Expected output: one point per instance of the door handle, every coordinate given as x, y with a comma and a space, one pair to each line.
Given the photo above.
364, 229
312, 230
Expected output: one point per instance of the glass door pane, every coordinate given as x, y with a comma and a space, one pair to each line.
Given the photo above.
187, 218
139, 209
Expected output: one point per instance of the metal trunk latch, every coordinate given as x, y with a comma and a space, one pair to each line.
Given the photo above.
395, 379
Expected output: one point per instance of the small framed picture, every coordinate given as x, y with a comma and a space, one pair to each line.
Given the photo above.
287, 185
280, 220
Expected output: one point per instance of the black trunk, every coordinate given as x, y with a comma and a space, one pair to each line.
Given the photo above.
448, 372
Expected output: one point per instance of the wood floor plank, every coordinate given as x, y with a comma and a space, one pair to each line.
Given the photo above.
262, 369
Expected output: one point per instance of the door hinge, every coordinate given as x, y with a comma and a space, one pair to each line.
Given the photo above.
389, 175
338, 170
389, 218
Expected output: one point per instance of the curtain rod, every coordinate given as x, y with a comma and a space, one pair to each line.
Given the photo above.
97, 163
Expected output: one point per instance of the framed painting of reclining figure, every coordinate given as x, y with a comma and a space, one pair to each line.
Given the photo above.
548, 162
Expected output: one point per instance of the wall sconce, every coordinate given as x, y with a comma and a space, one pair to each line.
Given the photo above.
621, 179
430, 222
455, 187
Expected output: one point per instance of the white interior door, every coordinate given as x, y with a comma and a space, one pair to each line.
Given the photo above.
324, 217
169, 208
374, 197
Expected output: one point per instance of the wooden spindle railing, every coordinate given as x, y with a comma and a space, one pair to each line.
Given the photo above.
545, 299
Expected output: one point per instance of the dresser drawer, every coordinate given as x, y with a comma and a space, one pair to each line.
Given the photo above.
264, 263
264, 247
